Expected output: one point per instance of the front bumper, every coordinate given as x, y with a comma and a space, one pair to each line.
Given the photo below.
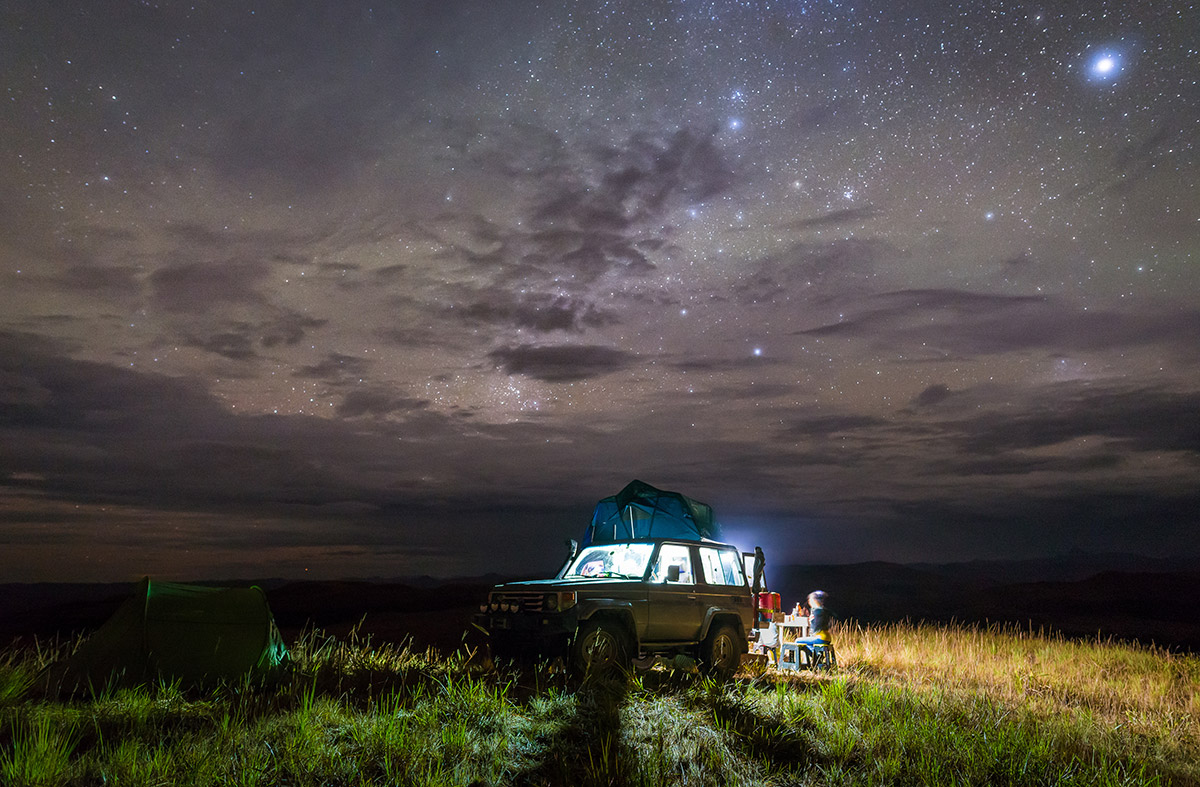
539, 625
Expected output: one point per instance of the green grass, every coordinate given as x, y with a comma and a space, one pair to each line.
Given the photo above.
910, 705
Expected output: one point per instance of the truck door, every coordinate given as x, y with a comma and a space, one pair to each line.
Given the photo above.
674, 614
722, 584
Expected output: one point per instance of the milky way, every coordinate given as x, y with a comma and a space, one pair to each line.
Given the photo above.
361, 290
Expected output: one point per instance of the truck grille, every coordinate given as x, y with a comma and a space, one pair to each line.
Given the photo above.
525, 602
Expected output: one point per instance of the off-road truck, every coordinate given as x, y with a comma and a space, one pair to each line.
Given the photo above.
614, 602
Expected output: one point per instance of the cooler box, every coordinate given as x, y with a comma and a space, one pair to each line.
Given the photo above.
768, 605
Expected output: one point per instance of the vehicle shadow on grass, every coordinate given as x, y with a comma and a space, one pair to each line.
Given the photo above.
758, 735
585, 749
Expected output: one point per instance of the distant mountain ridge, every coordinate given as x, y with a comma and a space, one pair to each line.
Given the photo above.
1073, 596
1079, 594
1076, 565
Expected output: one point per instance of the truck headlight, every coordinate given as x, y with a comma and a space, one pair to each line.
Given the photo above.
566, 599
551, 602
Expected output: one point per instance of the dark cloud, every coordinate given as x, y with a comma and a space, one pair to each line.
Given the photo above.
94, 433
977, 323
238, 340
599, 211
377, 403
234, 346
838, 266
335, 367
198, 287
279, 245
1138, 160
814, 425
43, 388
715, 365
932, 395
1142, 420
537, 312
833, 218
287, 327
1095, 521
565, 363
111, 282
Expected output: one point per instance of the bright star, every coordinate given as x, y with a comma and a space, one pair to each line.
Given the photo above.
735, 123
1105, 66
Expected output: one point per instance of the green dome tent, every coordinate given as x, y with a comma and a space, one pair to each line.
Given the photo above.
190, 633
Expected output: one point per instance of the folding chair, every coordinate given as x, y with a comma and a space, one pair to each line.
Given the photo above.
820, 657
789, 656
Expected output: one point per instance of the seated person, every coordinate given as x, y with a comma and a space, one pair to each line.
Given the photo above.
818, 620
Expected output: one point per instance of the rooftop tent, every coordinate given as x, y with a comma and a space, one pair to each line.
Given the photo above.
641, 511
189, 633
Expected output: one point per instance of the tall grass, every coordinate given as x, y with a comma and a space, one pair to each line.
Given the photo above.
910, 705
1136, 702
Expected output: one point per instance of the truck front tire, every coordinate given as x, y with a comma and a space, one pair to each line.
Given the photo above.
600, 648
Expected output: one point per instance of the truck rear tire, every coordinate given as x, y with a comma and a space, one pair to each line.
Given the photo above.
600, 648
721, 653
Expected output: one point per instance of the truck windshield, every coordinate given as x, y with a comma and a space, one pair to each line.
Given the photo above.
612, 560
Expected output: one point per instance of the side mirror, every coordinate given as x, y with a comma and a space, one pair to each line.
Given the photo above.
673, 572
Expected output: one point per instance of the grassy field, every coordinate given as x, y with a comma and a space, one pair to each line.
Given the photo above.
909, 705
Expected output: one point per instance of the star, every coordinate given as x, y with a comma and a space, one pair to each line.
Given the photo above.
1105, 66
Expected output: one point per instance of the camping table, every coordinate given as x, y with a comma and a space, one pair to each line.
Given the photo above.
791, 628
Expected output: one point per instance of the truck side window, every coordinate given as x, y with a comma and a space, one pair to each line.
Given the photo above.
676, 554
720, 567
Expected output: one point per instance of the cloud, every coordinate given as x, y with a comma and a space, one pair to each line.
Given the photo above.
1137, 160
286, 327
591, 211
542, 312
837, 267
336, 367
377, 402
565, 363
832, 218
96, 433
823, 426
1140, 419
590, 227
969, 323
198, 287
234, 346
932, 395
111, 282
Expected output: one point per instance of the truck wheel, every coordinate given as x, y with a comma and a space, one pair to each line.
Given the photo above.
721, 653
600, 647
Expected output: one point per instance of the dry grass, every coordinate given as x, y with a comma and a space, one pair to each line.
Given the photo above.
1147, 691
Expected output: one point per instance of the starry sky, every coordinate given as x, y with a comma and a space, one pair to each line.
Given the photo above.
341, 289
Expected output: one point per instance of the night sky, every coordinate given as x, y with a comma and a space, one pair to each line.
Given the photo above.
333, 289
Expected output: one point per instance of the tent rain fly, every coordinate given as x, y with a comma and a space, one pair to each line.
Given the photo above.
642, 511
